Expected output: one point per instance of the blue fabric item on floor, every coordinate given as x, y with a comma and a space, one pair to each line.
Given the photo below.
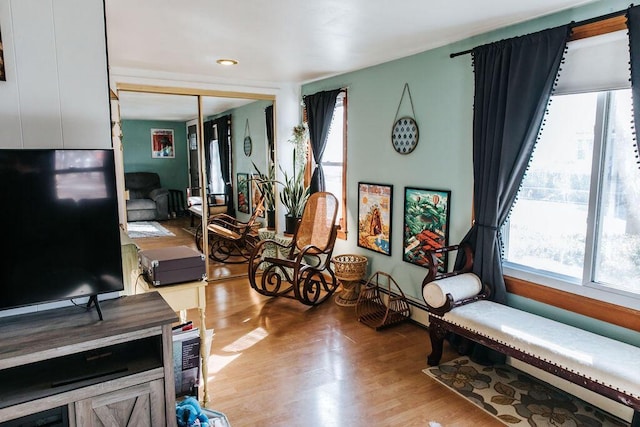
190, 414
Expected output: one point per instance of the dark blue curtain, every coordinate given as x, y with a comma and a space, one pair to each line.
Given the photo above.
209, 135
268, 118
320, 108
514, 79
513, 83
223, 125
633, 23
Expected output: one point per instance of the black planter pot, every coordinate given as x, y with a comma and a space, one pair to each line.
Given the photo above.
271, 219
290, 223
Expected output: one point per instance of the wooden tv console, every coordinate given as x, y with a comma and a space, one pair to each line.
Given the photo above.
118, 371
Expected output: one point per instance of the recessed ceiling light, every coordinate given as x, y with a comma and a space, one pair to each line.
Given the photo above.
227, 61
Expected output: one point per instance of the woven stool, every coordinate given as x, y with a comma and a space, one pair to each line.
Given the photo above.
349, 269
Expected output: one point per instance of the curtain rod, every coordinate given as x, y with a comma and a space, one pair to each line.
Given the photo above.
572, 24
343, 88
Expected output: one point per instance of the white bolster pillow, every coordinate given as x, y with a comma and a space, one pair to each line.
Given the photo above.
460, 287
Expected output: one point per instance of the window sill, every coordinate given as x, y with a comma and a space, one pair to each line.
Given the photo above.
608, 307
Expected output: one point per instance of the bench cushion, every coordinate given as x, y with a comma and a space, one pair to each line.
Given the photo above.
603, 360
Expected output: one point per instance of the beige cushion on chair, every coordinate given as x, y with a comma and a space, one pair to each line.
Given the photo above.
225, 232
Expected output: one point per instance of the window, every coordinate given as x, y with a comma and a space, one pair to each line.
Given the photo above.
574, 225
216, 182
576, 218
334, 160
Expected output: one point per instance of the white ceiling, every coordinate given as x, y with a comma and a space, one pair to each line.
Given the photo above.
290, 41
178, 108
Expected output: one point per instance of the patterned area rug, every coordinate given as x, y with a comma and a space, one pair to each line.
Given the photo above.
516, 398
139, 229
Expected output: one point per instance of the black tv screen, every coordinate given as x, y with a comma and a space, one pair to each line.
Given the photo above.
61, 233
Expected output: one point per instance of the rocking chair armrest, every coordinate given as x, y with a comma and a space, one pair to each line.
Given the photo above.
255, 226
226, 221
222, 223
227, 230
282, 262
312, 250
258, 248
224, 217
277, 243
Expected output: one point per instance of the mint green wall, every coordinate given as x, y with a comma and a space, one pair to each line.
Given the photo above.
440, 89
136, 140
442, 92
254, 112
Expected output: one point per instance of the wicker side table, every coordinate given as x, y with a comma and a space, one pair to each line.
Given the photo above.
349, 269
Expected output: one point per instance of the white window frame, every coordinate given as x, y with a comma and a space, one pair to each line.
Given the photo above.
585, 287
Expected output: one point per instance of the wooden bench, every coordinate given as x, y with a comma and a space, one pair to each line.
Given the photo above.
605, 366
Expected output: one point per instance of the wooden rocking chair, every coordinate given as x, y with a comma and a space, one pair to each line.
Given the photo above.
231, 241
303, 270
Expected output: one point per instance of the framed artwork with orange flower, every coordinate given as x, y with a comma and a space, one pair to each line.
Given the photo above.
426, 224
374, 217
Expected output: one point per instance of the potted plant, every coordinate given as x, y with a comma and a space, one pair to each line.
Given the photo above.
265, 186
299, 137
294, 197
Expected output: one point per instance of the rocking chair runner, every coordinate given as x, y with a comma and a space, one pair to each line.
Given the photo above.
230, 240
303, 271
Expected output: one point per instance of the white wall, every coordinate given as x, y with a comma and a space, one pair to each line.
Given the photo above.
56, 94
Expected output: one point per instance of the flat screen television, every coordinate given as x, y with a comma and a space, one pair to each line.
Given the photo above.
61, 233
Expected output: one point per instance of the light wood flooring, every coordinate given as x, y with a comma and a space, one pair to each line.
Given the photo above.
276, 362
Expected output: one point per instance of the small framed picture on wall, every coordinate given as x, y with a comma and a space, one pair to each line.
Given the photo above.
374, 217
426, 224
255, 194
244, 202
162, 144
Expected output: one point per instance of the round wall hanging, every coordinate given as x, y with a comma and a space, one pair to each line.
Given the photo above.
247, 145
247, 140
405, 133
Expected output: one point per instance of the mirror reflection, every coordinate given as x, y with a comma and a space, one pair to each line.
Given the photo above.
206, 167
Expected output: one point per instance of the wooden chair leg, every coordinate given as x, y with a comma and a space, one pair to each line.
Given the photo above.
436, 334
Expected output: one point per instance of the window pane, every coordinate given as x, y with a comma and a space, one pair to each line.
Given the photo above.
618, 250
548, 224
333, 183
334, 148
216, 183
332, 159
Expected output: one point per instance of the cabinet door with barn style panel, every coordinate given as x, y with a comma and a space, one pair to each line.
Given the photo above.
137, 406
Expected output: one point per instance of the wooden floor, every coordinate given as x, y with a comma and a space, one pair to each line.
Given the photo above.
276, 362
